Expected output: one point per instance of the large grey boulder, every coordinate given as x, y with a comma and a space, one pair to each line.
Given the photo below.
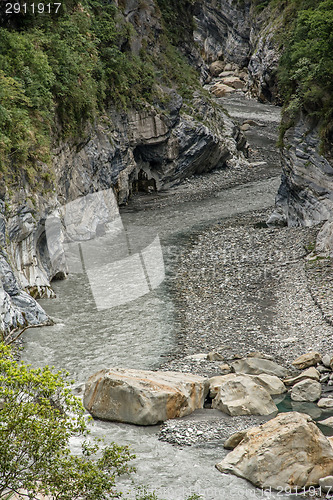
273, 385
256, 366
306, 390
241, 395
288, 451
143, 397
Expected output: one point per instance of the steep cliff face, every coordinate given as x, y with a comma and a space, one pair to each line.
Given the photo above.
237, 33
305, 195
159, 144
223, 30
161, 147
128, 150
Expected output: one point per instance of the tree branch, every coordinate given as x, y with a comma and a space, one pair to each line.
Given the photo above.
8, 339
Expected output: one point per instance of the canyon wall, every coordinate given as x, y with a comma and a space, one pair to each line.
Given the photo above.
126, 150
159, 145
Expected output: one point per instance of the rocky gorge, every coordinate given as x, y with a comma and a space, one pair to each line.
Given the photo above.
159, 146
248, 287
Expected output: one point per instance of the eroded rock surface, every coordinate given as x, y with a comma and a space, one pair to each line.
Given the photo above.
288, 451
257, 366
241, 395
306, 390
143, 397
304, 196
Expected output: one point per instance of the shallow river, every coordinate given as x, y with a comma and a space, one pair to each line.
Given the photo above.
90, 334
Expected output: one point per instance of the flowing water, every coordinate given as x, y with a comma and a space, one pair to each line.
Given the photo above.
138, 333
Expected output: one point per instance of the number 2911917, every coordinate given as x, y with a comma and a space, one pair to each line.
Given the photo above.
34, 8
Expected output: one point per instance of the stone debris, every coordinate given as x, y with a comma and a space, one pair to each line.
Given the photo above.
205, 426
215, 356
306, 360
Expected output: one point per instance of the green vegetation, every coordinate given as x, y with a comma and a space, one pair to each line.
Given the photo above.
306, 65
178, 19
59, 72
38, 417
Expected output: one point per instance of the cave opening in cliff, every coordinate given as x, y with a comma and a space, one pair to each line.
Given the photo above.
146, 179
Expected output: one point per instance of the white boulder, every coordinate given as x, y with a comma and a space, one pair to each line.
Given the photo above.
306, 390
241, 395
143, 397
287, 451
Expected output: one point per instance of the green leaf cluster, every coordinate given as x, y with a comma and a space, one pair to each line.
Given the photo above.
38, 417
306, 66
58, 73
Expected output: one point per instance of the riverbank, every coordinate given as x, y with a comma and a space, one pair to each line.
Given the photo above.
241, 287
155, 330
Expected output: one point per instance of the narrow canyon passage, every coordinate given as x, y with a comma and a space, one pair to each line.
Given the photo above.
214, 242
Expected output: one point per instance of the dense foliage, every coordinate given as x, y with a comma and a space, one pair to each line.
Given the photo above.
38, 417
59, 71
306, 65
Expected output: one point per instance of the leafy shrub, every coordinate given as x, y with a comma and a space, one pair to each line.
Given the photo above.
306, 66
66, 69
38, 417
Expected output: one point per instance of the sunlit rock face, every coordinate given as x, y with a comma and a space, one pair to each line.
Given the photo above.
143, 397
286, 452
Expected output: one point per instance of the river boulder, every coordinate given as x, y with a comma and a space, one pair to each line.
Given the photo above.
306, 390
240, 395
256, 366
310, 373
288, 451
306, 360
143, 397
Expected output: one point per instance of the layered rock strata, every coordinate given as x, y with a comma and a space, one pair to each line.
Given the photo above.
126, 151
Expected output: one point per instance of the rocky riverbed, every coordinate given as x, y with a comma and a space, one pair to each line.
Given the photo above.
242, 286
233, 286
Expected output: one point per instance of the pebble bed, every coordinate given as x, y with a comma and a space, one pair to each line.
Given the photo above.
243, 287
206, 426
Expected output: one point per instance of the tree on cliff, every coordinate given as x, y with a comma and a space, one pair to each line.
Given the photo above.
38, 417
